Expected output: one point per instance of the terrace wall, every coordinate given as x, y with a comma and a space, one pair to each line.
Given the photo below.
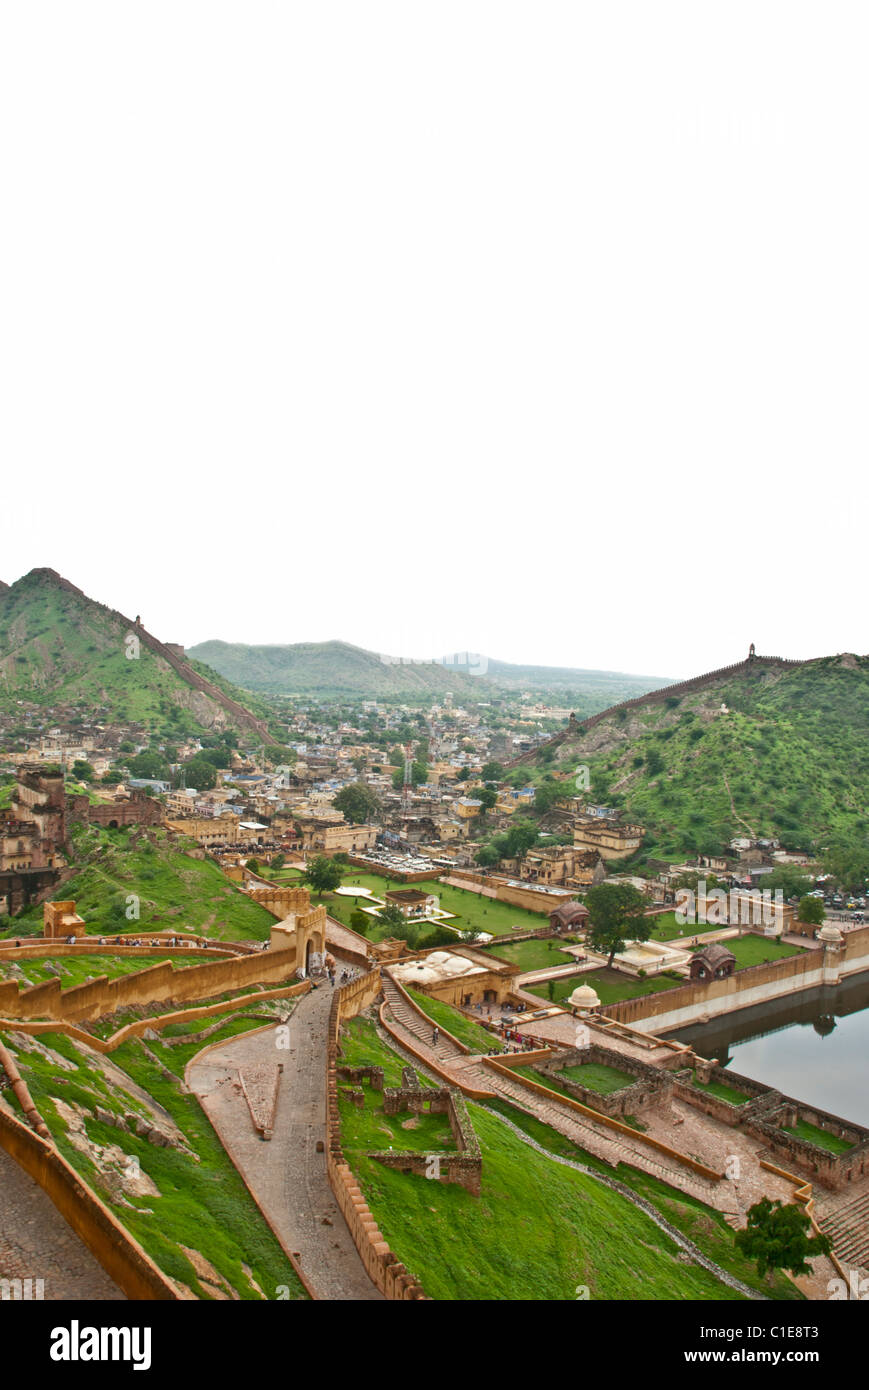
157, 983
674, 1008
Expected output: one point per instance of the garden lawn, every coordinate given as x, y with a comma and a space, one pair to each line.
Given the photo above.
538, 954
717, 1088
610, 985
755, 950
814, 1135
597, 1076
470, 909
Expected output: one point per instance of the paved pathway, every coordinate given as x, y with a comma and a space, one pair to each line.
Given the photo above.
36, 1242
286, 1174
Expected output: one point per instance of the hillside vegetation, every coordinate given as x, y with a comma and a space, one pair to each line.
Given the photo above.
787, 758
174, 890
60, 648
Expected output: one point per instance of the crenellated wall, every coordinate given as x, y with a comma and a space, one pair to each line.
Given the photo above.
384, 1269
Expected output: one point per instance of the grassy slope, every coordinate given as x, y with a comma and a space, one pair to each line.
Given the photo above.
475, 1037
58, 647
699, 1222
174, 889
202, 1204
537, 1231
794, 749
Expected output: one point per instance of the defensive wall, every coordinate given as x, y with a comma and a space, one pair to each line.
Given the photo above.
384, 1269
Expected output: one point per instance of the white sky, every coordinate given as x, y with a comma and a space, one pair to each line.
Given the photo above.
538, 330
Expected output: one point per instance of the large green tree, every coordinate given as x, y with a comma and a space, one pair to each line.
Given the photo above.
323, 874
616, 915
358, 802
777, 1237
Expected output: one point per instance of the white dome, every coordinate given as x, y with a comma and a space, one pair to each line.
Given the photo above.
583, 997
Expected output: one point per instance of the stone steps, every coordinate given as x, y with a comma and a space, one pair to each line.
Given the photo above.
848, 1228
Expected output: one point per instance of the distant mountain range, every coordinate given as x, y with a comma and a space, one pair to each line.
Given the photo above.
335, 669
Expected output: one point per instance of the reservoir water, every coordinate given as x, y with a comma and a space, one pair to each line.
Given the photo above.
813, 1046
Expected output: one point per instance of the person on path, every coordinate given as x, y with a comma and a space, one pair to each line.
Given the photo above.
435, 1035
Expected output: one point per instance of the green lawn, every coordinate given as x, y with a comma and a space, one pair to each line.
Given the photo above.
598, 1076
538, 954
814, 1135
477, 1038
470, 909
755, 950
537, 1232
174, 891
610, 985
717, 1088
203, 1203
666, 928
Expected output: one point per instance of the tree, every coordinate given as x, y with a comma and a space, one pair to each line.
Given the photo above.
82, 771
150, 764
463, 774
419, 775
200, 773
218, 757
616, 914
358, 802
492, 772
487, 855
793, 882
849, 865
360, 921
392, 916
776, 1237
323, 874
488, 798
438, 936
811, 910
546, 796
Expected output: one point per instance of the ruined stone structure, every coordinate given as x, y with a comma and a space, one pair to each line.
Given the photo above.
651, 1086
769, 1115
464, 1165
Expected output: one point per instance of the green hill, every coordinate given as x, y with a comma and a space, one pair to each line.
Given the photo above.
787, 758
339, 669
61, 650
333, 669
175, 890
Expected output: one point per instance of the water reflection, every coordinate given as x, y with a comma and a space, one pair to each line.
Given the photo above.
814, 1046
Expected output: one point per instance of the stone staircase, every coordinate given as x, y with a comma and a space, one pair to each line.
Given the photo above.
848, 1228
418, 1028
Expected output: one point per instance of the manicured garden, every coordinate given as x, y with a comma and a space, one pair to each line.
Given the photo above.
756, 950
610, 985
471, 910
537, 954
